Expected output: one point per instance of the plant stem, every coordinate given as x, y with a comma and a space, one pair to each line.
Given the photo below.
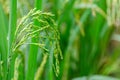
11, 31
12, 22
38, 4
32, 58
3, 44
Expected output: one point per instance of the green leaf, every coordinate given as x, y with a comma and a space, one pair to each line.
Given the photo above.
32, 58
11, 33
96, 77
3, 42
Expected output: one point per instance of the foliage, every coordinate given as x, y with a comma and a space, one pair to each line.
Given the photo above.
36, 33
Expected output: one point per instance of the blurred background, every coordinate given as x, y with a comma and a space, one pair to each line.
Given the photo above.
89, 36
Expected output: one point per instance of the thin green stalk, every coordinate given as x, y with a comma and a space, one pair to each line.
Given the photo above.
66, 17
49, 70
41, 68
12, 27
12, 23
70, 43
3, 44
95, 37
32, 59
56, 8
38, 4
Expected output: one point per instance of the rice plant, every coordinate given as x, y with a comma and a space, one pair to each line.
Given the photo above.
37, 29
59, 39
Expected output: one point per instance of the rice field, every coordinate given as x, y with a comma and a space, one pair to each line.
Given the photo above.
59, 39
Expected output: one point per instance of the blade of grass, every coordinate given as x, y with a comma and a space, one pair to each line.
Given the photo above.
18, 61
56, 8
38, 4
66, 18
49, 71
11, 31
69, 48
97, 24
90, 50
3, 43
32, 59
12, 23
20, 71
41, 68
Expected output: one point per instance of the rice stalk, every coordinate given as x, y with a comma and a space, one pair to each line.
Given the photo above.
3, 41
16, 68
26, 30
11, 31
41, 68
